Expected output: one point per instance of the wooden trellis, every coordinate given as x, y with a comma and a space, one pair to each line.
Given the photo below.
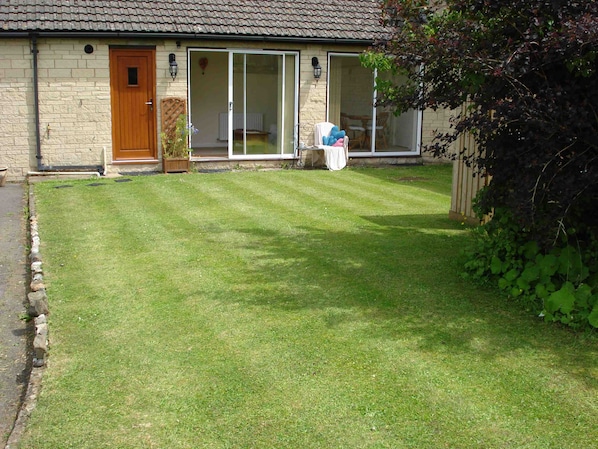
171, 108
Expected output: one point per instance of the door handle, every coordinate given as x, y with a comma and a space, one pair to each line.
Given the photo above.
150, 103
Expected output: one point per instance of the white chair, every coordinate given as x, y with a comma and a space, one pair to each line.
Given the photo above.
336, 157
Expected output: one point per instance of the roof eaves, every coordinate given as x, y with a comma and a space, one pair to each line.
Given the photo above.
114, 33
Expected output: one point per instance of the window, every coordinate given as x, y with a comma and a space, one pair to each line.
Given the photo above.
244, 103
351, 104
132, 73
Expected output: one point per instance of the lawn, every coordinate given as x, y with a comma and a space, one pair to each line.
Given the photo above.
290, 309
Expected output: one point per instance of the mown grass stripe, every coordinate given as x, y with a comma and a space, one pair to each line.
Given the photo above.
239, 316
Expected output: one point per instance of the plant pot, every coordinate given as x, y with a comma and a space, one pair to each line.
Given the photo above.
175, 164
3, 175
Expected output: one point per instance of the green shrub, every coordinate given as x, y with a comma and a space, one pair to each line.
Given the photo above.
559, 283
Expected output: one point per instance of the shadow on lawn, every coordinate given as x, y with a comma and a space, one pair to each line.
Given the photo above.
422, 223
428, 177
400, 278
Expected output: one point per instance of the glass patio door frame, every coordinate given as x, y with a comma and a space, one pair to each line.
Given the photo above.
372, 151
283, 99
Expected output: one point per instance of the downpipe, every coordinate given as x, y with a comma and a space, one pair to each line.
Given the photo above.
52, 169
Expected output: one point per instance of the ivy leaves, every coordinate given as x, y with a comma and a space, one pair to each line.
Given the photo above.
559, 285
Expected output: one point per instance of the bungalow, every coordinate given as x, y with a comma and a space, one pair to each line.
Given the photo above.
89, 85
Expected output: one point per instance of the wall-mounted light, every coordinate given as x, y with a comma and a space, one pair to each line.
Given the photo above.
173, 67
317, 69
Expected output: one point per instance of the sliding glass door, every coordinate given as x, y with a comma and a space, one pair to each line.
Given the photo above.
351, 105
248, 110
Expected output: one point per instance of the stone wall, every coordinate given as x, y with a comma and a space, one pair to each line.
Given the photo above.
74, 97
433, 122
75, 105
17, 134
74, 100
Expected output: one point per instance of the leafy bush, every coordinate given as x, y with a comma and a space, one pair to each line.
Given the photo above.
560, 284
175, 142
528, 71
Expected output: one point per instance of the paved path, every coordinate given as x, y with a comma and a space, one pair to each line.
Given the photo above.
13, 295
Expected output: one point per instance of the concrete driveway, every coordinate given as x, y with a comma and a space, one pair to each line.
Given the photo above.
14, 332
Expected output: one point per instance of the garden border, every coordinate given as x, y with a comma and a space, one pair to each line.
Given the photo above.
38, 309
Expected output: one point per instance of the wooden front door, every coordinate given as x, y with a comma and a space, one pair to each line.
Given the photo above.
133, 94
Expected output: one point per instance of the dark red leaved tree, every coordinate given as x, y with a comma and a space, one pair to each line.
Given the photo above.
528, 68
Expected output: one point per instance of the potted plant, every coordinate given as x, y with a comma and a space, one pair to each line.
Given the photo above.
175, 148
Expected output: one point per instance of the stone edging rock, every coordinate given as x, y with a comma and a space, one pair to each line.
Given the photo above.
38, 299
37, 308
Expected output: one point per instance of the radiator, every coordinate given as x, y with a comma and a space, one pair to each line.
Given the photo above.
255, 120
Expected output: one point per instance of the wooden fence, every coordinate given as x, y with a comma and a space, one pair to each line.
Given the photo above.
466, 182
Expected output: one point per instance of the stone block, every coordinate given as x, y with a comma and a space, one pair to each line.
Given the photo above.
38, 303
40, 342
36, 267
37, 285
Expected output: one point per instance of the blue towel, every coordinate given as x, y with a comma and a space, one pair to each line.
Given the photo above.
335, 134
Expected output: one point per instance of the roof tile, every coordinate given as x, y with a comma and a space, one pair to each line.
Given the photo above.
333, 19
